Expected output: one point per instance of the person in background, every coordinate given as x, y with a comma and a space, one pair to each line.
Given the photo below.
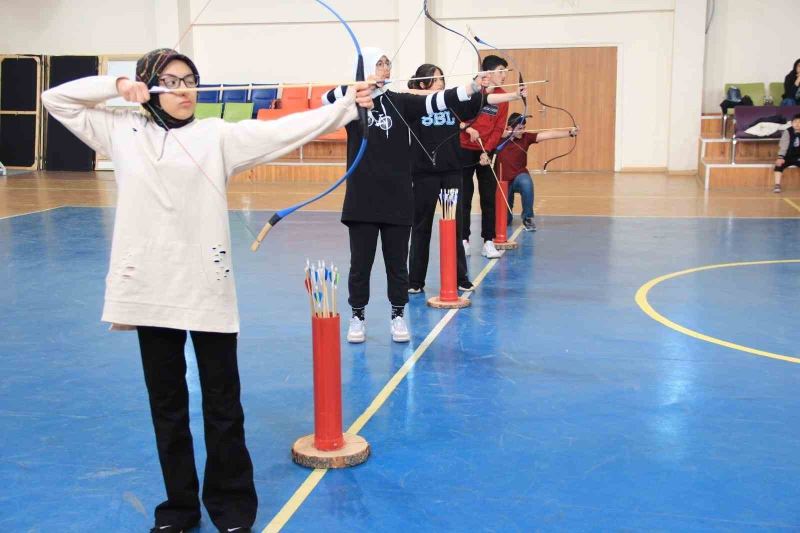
791, 86
512, 164
483, 133
788, 151
379, 200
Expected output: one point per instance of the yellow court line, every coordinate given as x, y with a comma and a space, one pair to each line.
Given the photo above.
297, 499
791, 203
313, 479
641, 300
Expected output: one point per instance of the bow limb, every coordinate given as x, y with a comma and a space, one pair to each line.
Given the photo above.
451, 30
574, 138
362, 117
477, 55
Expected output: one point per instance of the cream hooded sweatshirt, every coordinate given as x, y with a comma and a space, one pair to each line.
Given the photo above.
170, 255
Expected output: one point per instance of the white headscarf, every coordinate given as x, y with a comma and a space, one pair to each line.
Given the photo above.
371, 56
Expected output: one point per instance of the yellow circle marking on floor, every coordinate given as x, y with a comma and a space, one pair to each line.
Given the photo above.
641, 300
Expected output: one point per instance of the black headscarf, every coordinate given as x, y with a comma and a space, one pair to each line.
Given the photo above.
790, 90
148, 69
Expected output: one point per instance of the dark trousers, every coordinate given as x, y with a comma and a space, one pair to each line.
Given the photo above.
487, 188
363, 244
228, 490
790, 160
426, 195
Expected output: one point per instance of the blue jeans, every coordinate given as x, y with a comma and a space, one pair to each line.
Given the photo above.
523, 185
788, 101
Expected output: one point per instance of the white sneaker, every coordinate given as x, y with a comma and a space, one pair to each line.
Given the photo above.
400, 330
466, 247
489, 251
357, 332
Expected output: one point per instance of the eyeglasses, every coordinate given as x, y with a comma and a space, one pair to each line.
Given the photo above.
384, 64
173, 82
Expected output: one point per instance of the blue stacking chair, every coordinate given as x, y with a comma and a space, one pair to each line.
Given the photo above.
235, 95
262, 99
208, 97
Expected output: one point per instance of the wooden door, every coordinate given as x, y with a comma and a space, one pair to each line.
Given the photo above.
582, 81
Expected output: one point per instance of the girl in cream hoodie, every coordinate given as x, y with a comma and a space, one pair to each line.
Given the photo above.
171, 269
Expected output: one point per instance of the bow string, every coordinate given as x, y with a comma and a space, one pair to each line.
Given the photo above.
283, 213
477, 54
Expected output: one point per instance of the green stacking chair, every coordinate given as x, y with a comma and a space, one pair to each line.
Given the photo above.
236, 111
206, 110
756, 92
776, 90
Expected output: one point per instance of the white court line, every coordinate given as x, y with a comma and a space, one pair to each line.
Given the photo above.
34, 212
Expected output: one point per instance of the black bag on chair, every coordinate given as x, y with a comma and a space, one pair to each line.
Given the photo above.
734, 94
727, 104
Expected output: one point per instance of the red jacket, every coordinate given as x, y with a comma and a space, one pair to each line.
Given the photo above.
490, 124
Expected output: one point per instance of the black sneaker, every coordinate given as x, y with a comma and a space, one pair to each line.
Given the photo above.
167, 529
466, 286
528, 224
414, 290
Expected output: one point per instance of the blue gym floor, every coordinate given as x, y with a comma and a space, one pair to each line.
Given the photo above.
554, 403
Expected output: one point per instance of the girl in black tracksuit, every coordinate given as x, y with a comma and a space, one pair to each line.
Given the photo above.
439, 166
379, 198
436, 166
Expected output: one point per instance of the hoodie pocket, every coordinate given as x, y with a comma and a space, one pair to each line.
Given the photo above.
164, 273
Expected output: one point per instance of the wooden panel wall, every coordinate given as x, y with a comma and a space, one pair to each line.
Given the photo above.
582, 80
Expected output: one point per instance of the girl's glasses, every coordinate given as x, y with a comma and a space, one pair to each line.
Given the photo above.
173, 82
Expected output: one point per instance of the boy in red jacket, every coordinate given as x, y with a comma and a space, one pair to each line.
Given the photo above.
488, 127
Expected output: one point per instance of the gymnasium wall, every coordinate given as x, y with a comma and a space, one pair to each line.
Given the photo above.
227, 34
641, 30
76, 27
749, 41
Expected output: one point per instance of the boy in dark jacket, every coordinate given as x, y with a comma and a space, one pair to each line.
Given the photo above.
788, 151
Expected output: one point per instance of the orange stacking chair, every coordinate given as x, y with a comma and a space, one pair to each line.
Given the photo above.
316, 101
292, 100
